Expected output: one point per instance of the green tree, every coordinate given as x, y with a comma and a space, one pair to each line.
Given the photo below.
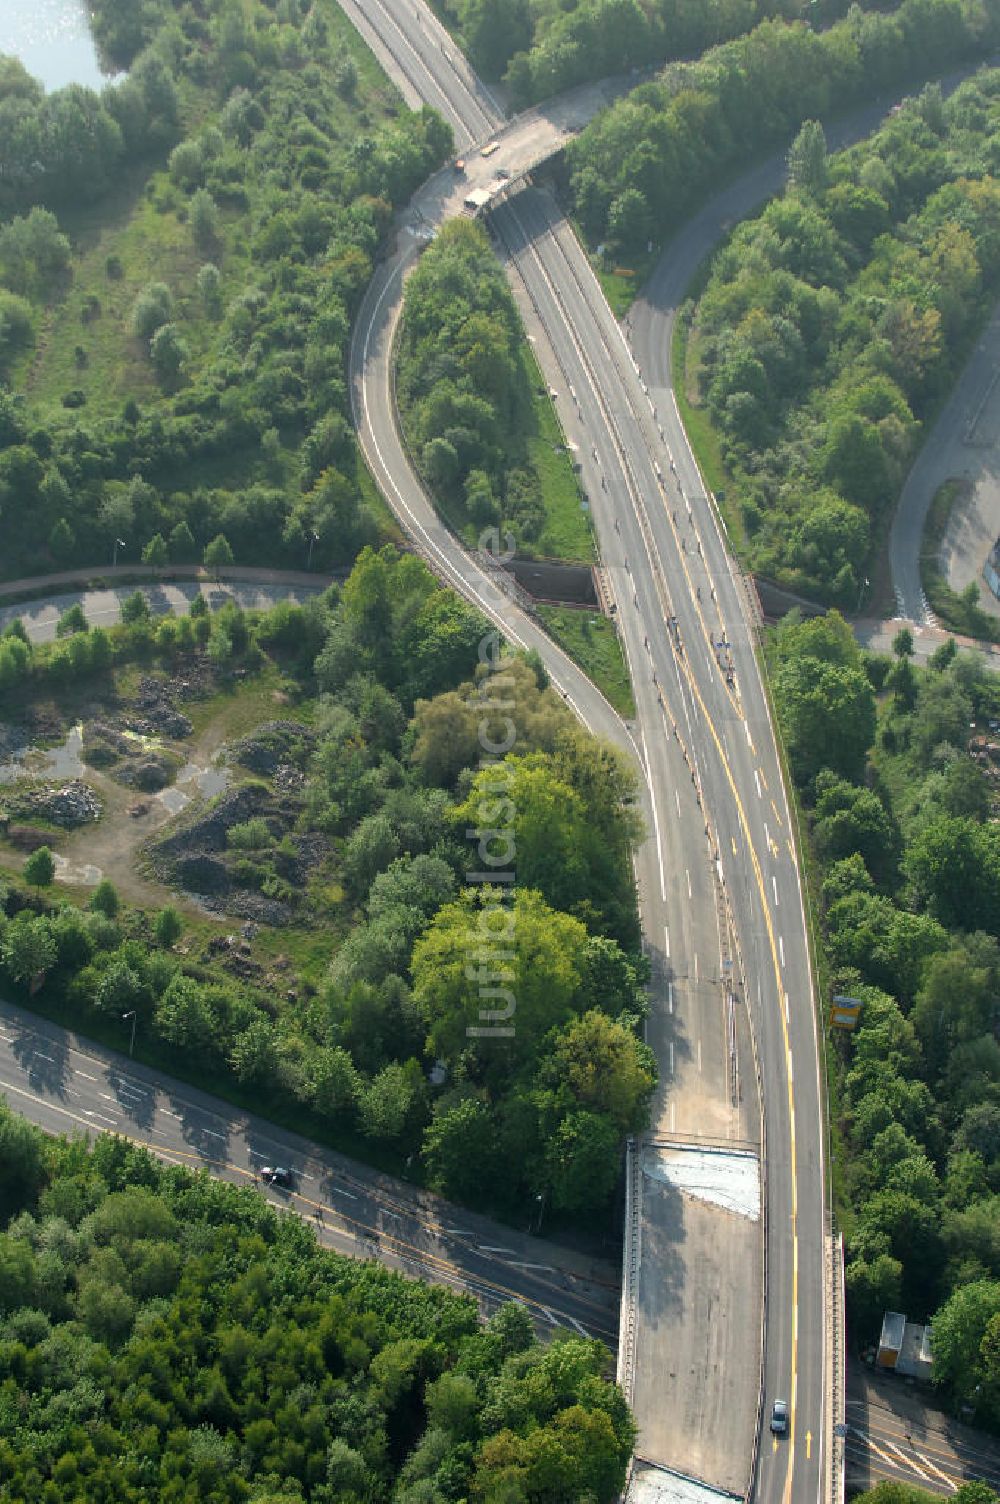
23, 1167
72, 620
155, 552
205, 221
183, 1016
520, 982
606, 1068
62, 542
582, 1162
104, 899
954, 866
28, 948
808, 168
959, 1328
135, 609
151, 310
459, 1150
181, 543
40, 868
167, 927
169, 354
629, 220
392, 1104
828, 715
872, 1289
218, 555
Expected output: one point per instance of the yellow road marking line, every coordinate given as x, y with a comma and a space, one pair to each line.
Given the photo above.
772, 945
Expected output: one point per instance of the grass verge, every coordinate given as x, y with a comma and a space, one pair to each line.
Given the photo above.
592, 642
703, 439
567, 533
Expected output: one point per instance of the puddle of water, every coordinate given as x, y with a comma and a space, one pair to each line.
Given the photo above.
62, 762
83, 874
209, 781
173, 799
205, 781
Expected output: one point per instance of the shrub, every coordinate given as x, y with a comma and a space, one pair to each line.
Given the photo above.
151, 309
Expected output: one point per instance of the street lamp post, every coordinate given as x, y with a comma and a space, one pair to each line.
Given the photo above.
119, 543
130, 1015
313, 539
864, 586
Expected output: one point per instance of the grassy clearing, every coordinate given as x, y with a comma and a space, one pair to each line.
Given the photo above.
241, 705
592, 642
149, 235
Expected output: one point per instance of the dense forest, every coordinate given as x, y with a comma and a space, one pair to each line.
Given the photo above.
463, 386
643, 166
385, 819
901, 795
176, 355
164, 1336
541, 47
832, 325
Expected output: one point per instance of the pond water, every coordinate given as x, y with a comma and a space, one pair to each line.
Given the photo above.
60, 762
53, 40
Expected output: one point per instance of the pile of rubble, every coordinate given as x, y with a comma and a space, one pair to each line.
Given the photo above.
67, 805
157, 715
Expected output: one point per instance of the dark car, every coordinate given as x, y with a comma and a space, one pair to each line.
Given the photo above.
276, 1175
779, 1418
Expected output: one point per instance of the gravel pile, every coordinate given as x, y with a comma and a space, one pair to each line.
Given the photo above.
67, 805
156, 714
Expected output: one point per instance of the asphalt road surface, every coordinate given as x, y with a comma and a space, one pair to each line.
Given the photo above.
896, 1433
703, 741
102, 605
67, 1084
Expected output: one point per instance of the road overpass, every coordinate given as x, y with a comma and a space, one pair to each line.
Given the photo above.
721, 904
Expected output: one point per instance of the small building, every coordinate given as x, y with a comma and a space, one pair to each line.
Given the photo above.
905, 1346
890, 1343
916, 1360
